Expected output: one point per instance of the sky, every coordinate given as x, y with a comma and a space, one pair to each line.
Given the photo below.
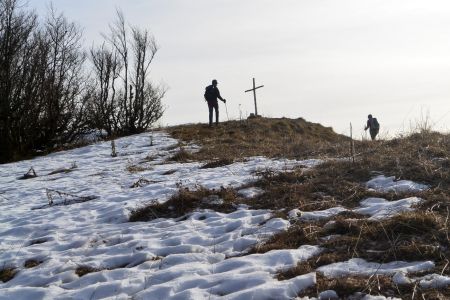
329, 62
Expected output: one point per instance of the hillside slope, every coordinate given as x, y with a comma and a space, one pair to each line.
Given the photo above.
259, 209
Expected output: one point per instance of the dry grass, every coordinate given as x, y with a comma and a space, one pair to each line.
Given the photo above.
84, 270
348, 286
31, 263
217, 163
137, 169
422, 157
141, 182
170, 172
293, 138
7, 273
410, 236
185, 202
414, 236
296, 236
355, 287
181, 156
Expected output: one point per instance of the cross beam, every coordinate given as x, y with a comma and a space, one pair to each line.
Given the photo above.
254, 94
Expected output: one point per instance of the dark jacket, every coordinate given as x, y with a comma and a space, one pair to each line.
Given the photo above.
372, 124
212, 93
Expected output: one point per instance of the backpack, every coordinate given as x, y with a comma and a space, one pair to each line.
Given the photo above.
375, 124
209, 93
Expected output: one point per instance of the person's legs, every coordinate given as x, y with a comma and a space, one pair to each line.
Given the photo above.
210, 108
216, 107
373, 133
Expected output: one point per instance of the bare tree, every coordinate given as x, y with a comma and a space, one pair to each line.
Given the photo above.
64, 93
42, 86
104, 104
16, 32
147, 107
125, 100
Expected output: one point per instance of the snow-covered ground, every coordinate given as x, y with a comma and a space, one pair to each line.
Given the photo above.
161, 259
203, 256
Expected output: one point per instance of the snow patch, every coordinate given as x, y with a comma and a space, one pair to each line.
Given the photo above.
319, 214
385, 184
379, 208
250, 192
434, 281
358, 266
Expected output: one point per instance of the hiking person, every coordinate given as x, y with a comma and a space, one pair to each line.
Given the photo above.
373, 126
211, 95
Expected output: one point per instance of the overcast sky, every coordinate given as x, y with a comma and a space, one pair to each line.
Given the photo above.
331, 62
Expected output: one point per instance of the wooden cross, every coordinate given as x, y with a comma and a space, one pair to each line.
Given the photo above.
254, 95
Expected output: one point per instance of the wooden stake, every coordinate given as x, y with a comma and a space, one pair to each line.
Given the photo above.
352, 144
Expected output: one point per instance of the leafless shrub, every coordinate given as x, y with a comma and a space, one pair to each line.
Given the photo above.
64, 170
30, 174
58, 198
124, 99
141, 182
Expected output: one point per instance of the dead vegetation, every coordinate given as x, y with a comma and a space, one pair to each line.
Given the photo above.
28, 175
217, 163
182, 155
185, 202
59, 198
355, 287
64, 170
31, 263
292, 138
170, 172
411, 236
137, 168
141, 182
296, 236
414, 236
7, 273
84, 270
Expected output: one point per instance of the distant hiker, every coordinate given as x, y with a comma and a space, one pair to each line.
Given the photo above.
211, 95
373, 126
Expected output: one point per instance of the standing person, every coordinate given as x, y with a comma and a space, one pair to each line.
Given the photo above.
211, 95
373, 126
